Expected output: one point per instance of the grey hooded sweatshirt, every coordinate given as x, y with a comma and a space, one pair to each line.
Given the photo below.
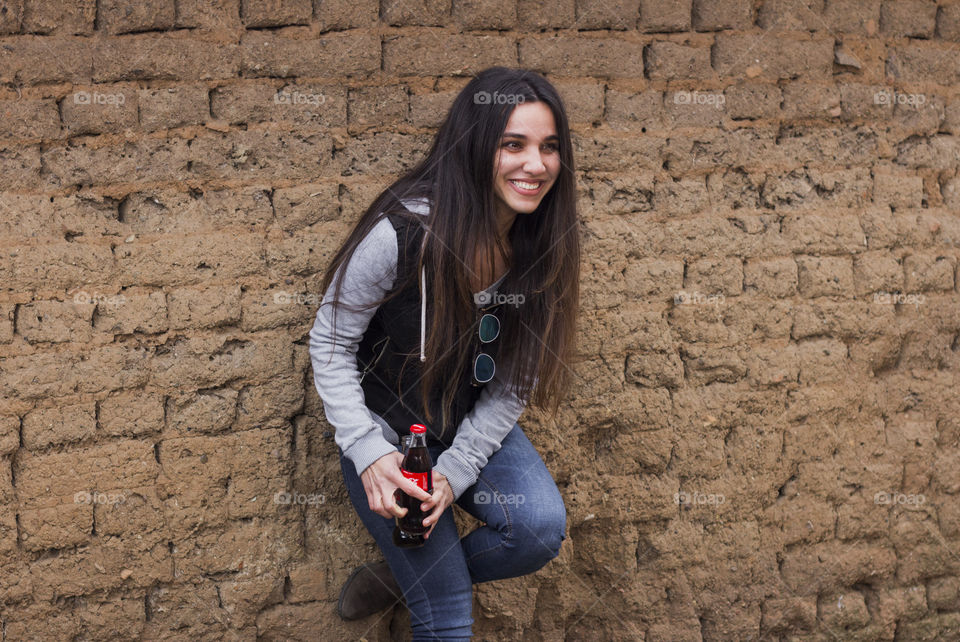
361, 434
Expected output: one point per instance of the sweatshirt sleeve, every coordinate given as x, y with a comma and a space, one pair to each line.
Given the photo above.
369, 276
480, 434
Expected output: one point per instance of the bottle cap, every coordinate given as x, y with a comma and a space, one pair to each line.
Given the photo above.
418, 429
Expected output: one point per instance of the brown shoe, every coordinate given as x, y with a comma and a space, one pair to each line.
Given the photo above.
369, 589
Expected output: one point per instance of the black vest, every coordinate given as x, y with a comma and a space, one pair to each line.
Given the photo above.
388, 356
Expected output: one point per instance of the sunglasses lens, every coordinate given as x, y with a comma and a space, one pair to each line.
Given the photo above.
483, 368
489, 328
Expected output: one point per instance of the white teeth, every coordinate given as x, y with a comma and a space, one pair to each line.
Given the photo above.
526, 185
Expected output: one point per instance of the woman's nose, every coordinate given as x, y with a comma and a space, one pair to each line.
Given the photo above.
534, 164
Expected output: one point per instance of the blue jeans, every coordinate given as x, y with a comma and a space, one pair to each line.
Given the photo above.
524, 524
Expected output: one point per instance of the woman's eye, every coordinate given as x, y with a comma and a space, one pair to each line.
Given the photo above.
512, 142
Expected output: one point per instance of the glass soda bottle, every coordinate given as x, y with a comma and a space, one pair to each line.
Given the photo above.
416, 465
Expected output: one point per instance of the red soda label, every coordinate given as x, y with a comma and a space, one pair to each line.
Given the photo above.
422, 479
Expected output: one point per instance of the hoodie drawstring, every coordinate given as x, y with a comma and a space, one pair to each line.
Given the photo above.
423, 310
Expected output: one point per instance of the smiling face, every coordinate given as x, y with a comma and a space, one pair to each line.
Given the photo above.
527, 162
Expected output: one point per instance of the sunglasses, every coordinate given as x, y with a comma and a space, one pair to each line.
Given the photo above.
483, 364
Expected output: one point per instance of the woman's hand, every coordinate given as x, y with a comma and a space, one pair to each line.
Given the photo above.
382, 478
442, 497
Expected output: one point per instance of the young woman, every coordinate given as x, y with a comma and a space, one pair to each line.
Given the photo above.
451, 304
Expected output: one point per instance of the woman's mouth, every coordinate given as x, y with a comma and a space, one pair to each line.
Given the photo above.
527, 188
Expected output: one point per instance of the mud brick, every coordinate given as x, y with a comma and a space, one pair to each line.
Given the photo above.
927, 272
279, 307
211, 362
829, 566
64, 18
823, 233
821, 360
680, 197
866, 101
335, 54
919, 113
11, 15
943, 592
6, 322
276, 13
147, 160
433, 54
212, 411
533, 15
150, 56
400, 13
173, 107
908, 18
948, 22
784, 57
877, 272
485, 14
605, 152
429, 110
938, 152
180, 261
131, 413
44, 375
752, 100
774, 277
367, 153
47, 480
377, 106
808, 100
349, 14
571, 56
9, 434
598, 14
56, 527
861, 520
714, 15
205, 307
633, 111
60, 265
789, 614
130, 312
897, 190
582, 100
792, 15
843, 611
55, 321
656, 16
59, 425
669, 60
118, 16
208, 14
825, 275
27, 118
279, 397
320, 106
649, 277
920, 61
99, 109
260, 154
860, 17
26, 60
302, 206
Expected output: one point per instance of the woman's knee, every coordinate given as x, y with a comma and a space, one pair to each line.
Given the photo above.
543, 525
444, 616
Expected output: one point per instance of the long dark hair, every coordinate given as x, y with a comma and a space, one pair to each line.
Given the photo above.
537, 336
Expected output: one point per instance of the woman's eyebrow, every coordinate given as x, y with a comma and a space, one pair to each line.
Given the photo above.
522, 137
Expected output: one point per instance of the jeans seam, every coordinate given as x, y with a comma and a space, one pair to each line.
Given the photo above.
506, 514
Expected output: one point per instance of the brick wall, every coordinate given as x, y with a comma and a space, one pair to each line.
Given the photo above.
761, 439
